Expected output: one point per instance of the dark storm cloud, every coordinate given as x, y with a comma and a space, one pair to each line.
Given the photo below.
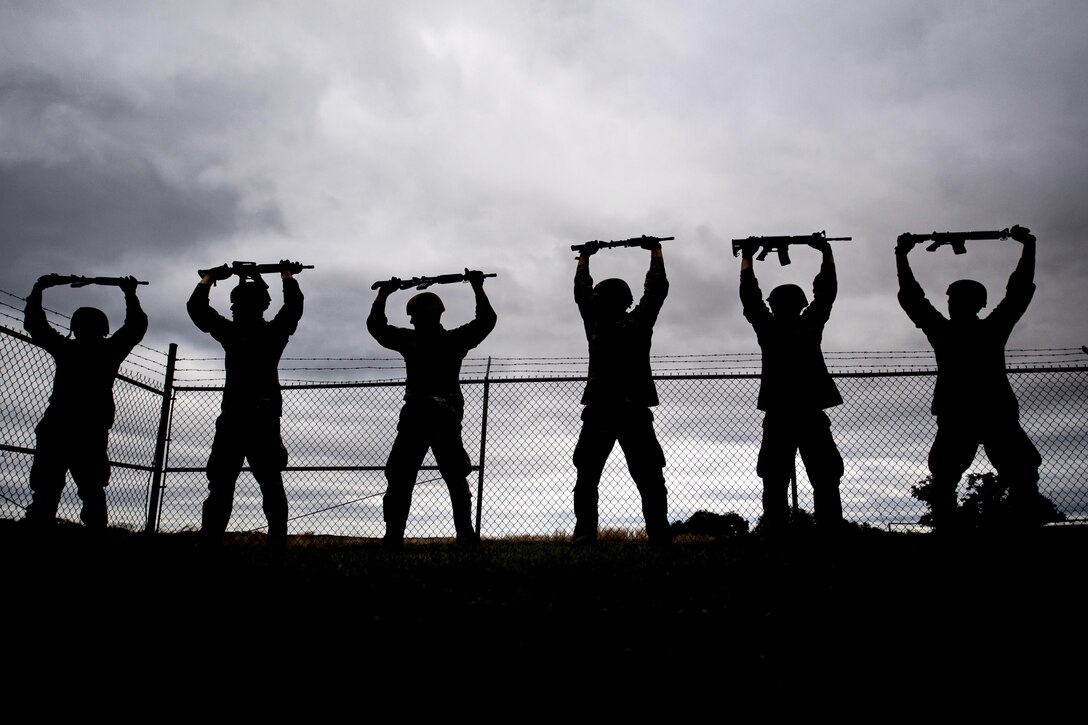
105, 214
421, 138
83, 174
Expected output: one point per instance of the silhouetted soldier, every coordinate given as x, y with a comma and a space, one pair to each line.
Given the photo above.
248, 426
619, 394
795, 389
433, 405
972, 398
73, 434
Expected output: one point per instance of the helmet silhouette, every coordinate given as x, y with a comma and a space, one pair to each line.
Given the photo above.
969, 292
612, 296
90, 322
251, 295
787, 299
425, 303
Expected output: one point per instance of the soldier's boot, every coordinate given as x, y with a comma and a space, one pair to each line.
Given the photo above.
462, 519
93, 513
214, 517
394, 535
827, 505
776, 509
586, 519
655, 512
943, 506
275, 511
42, 511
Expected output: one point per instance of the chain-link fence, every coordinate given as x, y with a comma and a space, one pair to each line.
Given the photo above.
26, 379
520, 432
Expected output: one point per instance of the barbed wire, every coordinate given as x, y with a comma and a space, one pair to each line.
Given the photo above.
18, 323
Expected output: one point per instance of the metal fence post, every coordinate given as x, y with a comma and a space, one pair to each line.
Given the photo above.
160, 443
793, 487
483, 448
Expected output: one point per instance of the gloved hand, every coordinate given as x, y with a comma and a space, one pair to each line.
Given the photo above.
220, 273
590, 248
128, 284
749, 247
286, 265
1021, 234
389, 286
905, 242
49, 280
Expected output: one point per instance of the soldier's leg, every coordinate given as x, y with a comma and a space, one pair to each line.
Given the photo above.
595, 443
953, 450
91, 472
45, 498
646, 462
274, 504
824, 465
1017, 462
267, 459
48, 471
775, 465
224, 465
405, 458
454, 465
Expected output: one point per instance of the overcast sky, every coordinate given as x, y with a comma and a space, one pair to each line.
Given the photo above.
374, 139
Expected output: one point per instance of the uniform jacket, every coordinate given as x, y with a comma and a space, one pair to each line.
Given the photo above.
432, 357
619, 350
793, 375
83, 381
970, 354
251, 349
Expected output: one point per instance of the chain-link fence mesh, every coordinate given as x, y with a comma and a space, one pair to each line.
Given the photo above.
26, 379
522, 430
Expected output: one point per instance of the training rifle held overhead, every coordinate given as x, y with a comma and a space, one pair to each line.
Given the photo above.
633, 242
597, 244
425, 282
81, 281
781, 244
956, 239
245, 269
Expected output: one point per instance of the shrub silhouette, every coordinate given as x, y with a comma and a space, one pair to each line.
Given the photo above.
986, 504
706, 523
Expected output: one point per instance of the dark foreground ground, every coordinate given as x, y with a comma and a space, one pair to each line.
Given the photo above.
907, 613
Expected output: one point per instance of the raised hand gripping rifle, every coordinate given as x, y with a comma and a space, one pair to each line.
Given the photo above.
632, 242
245, 269
425, 282
81, 281
955, 239
781, 245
